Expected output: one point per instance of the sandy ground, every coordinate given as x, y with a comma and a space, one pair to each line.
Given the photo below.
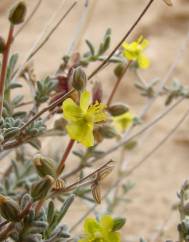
158, 180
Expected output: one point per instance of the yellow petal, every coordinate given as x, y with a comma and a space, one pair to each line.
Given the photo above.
144, 44
143, 61
84, 100
82, 132
123, 121
71, 111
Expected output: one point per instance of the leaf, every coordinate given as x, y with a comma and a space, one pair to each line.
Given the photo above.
50, 212
11, 66
65, 208
91, 47
118, 223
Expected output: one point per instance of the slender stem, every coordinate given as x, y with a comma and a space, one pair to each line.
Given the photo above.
70, 187
65, 156
51, 106
122, 40
43, 38
36, 7
52, 31
4, 66
118, 81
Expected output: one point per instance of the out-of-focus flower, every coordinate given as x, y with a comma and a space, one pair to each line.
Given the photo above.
100, 231
81, 118
123, 121
134, 52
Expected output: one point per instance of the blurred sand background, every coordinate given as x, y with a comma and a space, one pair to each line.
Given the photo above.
158, 180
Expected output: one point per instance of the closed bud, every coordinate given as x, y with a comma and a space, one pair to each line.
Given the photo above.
119, 70
118, 109
17, 13
97, 92
2, 45
44, 166
107, 132
40, 189
79, 79
9, 209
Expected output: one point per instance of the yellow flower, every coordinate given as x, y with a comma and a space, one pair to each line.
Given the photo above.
81, 118
100, 231
134, 52
123, 121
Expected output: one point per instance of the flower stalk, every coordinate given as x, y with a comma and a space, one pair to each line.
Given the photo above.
118, 81
65, 156
4, 66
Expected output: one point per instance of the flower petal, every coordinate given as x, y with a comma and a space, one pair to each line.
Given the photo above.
91, 226
71, 111
84, 100
123, 121
82, 132
97, 111
144, 44
106, 222
143, 61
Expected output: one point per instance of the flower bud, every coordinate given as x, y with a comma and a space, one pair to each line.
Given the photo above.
97, 92
107, 132
44, 166
118, 109
17, 13
9, 209
79, 79
2, 45
40, 189
119, 70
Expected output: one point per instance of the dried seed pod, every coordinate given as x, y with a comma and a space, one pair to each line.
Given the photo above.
58, 185
96, 192
17, 13
44, 166
79, 79
40, 189
9, 209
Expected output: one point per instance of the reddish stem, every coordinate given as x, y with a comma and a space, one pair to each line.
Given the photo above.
4, 66
117, 84
65, 155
